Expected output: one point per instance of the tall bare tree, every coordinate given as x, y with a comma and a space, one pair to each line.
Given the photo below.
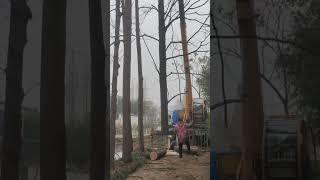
98, 94
115, 73
127, 131
20, 15
251, 98
163, 67
52, 95
140, 77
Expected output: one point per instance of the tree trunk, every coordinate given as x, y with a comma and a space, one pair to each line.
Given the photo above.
127, 132
107, 90
252, 107
20, 15
163, 68
115, 80
188, 96
140, 77
52, 91
98, 94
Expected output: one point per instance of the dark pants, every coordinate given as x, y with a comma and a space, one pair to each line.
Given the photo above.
186, 141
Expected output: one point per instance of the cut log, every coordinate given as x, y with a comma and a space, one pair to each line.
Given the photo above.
155, 155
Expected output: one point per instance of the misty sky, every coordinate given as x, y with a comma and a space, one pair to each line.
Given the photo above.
149, 26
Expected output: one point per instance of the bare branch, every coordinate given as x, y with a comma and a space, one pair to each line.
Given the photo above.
222, 73
175, 97
196, 20
151, 37
169, 10
225, 102
151, 7
196, 7
171, 21
31, 88
194, 51
293, 43
203, 24
154, 63
171, 73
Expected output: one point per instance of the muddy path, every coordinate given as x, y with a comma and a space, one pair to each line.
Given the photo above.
189, 167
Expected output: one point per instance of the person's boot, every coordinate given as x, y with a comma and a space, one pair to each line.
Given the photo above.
188, 146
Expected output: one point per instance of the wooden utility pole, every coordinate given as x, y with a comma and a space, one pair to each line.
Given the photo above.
252, 107
188, 96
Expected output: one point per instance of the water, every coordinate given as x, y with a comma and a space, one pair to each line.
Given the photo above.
34, 172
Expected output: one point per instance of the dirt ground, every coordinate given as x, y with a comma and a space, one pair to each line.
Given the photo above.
189, 167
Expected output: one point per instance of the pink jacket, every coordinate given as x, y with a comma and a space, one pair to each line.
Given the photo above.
181, 130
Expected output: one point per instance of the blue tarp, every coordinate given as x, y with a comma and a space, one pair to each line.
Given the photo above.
175, 117
213, 165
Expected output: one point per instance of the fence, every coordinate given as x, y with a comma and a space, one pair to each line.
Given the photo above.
197, 137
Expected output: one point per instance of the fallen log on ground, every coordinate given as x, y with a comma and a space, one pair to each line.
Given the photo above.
157, 154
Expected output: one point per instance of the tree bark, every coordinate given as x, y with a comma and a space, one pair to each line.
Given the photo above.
140, 77
98, 94
115, 73
127, 132
20, 15
251, 98
52, 91
188, 96
163, 68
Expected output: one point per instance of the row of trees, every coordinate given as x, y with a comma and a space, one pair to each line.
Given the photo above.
52, 103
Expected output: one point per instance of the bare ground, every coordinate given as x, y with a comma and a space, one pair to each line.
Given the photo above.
189, 167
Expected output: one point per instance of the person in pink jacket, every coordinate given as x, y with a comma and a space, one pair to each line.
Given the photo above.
181, 132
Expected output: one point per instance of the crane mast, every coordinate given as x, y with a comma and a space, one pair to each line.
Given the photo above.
188, 90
